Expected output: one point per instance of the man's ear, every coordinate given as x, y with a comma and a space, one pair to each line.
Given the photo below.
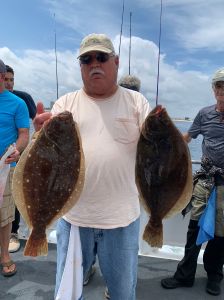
117, 60
2, 77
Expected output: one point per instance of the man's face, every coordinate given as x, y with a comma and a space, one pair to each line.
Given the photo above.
2, 80
9, 81
218, 89
99, 73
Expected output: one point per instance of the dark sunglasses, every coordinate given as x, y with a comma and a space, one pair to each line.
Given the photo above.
99, 56
219, 85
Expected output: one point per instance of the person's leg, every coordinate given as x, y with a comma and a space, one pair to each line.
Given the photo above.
213, 263
15, 223
89, 249
14, 243
214, 253
186, 269
6, 217
63, 233
5, 257
118, 258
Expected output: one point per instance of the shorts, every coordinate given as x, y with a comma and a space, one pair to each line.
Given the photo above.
7, 211
199, 203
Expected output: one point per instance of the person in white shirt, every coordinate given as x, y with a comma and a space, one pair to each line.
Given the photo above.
109, 118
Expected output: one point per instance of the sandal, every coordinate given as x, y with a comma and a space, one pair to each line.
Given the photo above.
7, 265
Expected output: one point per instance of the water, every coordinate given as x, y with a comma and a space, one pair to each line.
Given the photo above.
194, 145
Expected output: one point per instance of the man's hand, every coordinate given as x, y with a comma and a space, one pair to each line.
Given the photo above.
14, 157
187, 137
41, 117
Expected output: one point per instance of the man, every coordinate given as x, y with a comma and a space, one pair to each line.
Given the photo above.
209, 122
107, 214
132, 83
14, 128
9, 85
14, 244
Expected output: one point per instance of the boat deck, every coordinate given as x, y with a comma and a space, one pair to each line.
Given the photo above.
35, 280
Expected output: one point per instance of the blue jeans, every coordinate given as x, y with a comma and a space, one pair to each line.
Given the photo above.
117, 251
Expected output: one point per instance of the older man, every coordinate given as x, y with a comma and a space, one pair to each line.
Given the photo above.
107, 214
14, 128
209, 122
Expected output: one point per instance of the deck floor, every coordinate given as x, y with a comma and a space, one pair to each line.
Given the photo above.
35, 280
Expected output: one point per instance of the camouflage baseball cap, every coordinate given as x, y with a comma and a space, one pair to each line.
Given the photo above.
96, 42
218, 76
2, 67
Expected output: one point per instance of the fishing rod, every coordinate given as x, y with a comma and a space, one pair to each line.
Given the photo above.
158, 66
129, 63
56, 58
122, 18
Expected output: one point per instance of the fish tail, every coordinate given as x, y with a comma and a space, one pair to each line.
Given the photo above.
36, 245
153, 234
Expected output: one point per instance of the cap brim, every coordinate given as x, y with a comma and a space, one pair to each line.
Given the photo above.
95, 48
221, 78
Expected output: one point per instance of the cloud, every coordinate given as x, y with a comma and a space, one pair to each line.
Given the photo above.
183, 93
35, 72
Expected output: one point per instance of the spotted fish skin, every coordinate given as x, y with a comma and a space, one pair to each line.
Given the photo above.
163, 172
52, 176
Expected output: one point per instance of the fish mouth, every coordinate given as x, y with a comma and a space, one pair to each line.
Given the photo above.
158, 110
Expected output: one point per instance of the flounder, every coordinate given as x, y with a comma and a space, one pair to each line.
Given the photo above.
48, 179
163, 172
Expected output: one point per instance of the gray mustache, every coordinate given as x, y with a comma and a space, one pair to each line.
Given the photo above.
96, 70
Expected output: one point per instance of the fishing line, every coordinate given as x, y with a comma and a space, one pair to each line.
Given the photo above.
56, 58
158, 65
129, 64
122, 18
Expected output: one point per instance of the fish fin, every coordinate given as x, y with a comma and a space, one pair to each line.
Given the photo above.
153, 234
36, 247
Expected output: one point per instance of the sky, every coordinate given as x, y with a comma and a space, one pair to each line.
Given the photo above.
191, 46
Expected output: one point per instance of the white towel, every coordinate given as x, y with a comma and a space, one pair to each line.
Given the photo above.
4, 171
71, 285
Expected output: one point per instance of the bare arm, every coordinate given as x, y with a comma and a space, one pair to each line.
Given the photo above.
187, 137
21, 143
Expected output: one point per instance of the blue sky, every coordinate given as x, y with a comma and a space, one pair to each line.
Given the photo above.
191, 46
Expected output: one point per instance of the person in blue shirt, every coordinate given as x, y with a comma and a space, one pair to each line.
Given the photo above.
209, 122
14, 243
14, 128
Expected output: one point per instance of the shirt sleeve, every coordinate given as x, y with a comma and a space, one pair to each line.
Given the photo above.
22, 116
195, 128
31, 106
144, 109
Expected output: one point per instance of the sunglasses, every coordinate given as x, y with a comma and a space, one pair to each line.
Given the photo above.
101, 57
219, 85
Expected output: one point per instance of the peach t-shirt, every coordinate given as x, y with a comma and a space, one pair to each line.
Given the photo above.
109, 131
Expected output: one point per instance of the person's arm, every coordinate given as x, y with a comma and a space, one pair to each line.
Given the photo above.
187, 137
21, 143
41, 116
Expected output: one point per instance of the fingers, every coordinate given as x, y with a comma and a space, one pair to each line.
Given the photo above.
40, 117
40, 108
39, 120
14, 157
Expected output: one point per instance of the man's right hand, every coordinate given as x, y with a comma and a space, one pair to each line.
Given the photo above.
41, 116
